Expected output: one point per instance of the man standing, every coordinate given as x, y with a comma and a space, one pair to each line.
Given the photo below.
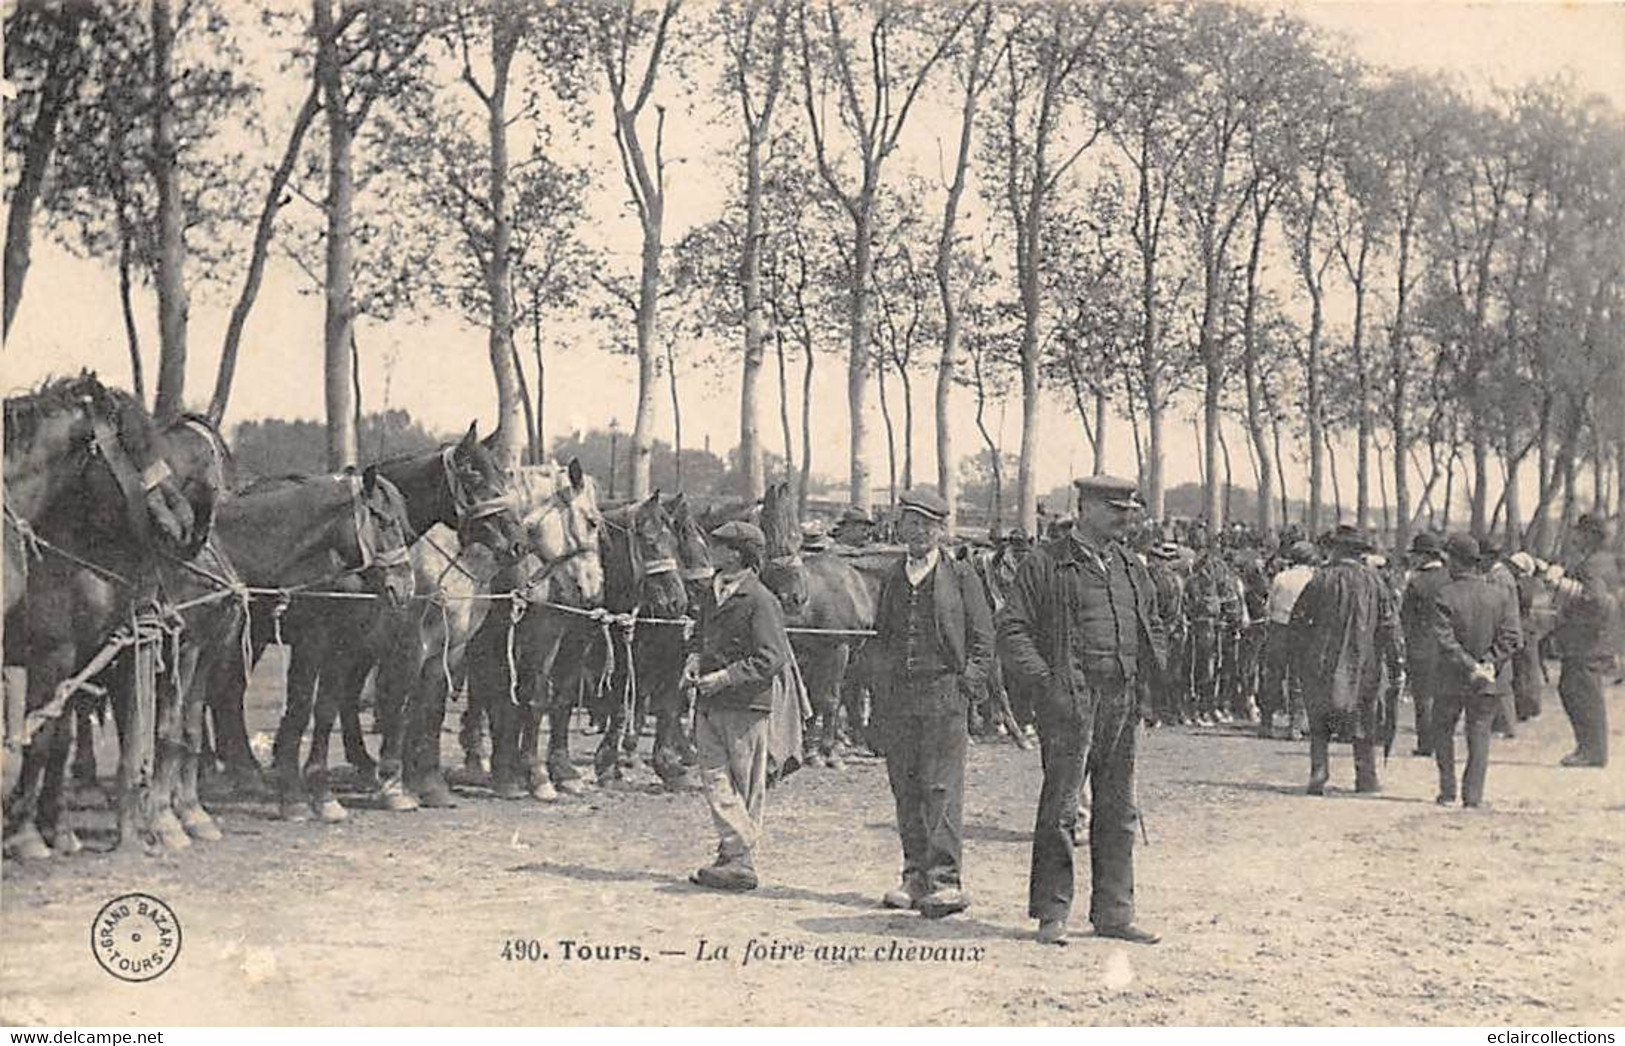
743, 647
1167, 703
1476, 633
1079, 627
1497, 573
1346, 627
1584, 637
1280, 689
1417, 616
934, 643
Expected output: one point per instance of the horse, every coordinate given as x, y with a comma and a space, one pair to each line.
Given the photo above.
511, 657
639, 551
80, 559
343, 534
822, 591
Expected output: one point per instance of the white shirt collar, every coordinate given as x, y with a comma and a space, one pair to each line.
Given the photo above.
918, 569
725, 585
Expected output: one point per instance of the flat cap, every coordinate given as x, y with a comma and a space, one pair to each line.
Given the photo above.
1348, 536
1301, 552
1462, 547
925, 501
814, 535
739, 534
1113, 490
853, 514
1427, 543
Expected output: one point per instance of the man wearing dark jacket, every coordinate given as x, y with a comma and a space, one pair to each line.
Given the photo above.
932, 652
1584, 637
1079, 627
1416, 615
1475, 633
742, 647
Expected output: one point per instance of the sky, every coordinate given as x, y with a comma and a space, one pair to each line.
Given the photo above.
436, 366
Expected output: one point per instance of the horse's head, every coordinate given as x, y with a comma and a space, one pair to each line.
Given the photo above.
651, 558
783, 573
560, 518
385, 535
78, 434
202, 465
693, 553
478, 486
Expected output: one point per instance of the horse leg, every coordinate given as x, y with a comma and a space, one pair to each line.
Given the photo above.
135, 733
349, 679
54, 819
22, 835
607, 759
564, 686
426, 717
329, 694
84, 747
170, 748
194, 818
304, 665
226, 703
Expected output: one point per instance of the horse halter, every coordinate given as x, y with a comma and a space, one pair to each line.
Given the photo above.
134, 485
468, 510
550, 566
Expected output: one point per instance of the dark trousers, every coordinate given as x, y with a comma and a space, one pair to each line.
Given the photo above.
1204, 655
1526, 679
1272, 691
1447, 709
1090, 735
1421, 683
925, 762
1580, 687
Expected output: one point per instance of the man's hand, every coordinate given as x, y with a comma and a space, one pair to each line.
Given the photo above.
1483, 672
711, 682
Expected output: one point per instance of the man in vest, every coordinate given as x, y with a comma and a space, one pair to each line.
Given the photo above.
1280, 690
1080, 626
931, 654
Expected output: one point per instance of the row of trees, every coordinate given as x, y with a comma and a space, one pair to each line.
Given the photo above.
1137, 207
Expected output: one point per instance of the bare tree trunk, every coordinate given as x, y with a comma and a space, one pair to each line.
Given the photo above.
62, 70
1317, 432
1134, 427
676, 413
260, 252
1249, 362
1229, 479
806, 430
172, 297
132, 337
891, 439
908, 426
498, 287
1100, 433
784, 413
533, 448
1280, 469
1382, 489
339, 323
857, 364
541, 378
1399, 350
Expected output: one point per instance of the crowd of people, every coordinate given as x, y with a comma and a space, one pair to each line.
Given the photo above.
1111, 623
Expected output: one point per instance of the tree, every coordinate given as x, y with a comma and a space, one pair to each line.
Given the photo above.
619, 29
1048, 56
872, 121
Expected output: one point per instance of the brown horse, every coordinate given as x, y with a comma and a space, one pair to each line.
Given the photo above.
90, 500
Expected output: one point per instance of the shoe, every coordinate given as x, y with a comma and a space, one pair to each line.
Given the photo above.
1577, 759
1424, 752
1479, 805
732, 876
939, 904
1316, 787
1444, 799
1131, 934
905, 895
1368, 787
1052, 931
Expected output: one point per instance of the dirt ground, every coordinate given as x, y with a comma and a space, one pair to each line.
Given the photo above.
1275, 908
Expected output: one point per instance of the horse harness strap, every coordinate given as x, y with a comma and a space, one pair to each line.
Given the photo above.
134, 485
468, 510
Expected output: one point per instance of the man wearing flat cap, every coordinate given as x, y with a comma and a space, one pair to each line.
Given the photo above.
1079, 628
1476, 632
742, 648
854, 529
1416, 616
931, 654
1346, 629
1584, 637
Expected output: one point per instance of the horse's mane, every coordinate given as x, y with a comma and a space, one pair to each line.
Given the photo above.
26, 411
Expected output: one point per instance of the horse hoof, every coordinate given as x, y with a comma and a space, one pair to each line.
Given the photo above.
395, 797
436, 794
475, 765
835, 762
815, 759
330, 811
574, 786
66, 843
167, 827
295, 812
26, 845
366, 777
199, 825
508, 789
544, 791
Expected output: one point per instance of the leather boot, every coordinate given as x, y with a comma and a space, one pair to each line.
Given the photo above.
1365, 767
1320, 770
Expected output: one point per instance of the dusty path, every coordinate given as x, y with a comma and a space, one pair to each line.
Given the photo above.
1275, 907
